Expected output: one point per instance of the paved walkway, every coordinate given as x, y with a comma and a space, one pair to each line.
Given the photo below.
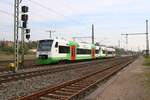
126, 85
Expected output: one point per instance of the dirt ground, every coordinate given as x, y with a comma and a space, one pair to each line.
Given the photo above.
132, 83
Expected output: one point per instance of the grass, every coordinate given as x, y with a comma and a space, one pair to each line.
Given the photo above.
146, 61
147, 75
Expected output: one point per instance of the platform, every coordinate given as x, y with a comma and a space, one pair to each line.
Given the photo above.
128, 84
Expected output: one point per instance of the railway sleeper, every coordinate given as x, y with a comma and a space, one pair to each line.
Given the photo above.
80, 86
73, 88
62, 93
56, 96
47, 98
68, 90
83, 83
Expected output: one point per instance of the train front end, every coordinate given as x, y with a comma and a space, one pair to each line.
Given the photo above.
44, 52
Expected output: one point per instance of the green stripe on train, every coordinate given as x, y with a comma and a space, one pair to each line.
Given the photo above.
50, 60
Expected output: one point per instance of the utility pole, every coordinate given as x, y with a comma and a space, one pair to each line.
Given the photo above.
126, 40
16, 29
118, 48
50, 32
118, 43
147, 41
92, 34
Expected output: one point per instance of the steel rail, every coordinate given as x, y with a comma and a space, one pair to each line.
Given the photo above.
23, 75
71, 89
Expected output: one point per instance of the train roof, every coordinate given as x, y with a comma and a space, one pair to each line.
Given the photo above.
69, 42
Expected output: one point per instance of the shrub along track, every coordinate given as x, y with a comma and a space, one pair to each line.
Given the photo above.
72, 89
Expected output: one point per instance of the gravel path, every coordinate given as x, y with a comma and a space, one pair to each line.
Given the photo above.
126, 85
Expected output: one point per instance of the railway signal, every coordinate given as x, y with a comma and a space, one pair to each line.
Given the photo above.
25, 31
24, 18
25, 9
24, 24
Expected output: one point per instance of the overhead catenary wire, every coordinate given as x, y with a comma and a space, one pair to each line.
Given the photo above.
39, 4
49, 9
5, 12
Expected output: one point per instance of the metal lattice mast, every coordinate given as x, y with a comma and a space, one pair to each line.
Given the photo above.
16, 31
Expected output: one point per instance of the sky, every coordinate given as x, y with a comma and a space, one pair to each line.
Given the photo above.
73, 18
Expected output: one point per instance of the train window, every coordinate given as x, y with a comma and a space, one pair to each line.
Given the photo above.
64, 49
110, 52
45, 45
96, 51
56, 45
83, 51
104, 51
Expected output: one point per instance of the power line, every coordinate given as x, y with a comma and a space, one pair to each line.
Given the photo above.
49, 9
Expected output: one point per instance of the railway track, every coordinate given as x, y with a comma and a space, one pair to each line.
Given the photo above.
29, 64
72, 89
50, 70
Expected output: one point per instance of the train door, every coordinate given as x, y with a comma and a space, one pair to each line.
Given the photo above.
93, 53
106, 53
73, 52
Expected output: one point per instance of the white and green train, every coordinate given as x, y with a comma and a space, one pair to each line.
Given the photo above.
55, 50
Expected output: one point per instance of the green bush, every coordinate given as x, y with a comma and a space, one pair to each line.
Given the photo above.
10, 50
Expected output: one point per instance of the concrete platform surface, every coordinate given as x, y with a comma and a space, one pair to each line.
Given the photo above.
128, 84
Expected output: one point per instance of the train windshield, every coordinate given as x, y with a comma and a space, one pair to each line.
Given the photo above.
45, 45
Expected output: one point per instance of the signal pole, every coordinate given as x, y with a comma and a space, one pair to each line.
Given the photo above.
16, 29
126, 40
50, 31
92, 34
24, 18
22, 46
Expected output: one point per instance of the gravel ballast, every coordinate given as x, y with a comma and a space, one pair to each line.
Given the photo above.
27, 86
